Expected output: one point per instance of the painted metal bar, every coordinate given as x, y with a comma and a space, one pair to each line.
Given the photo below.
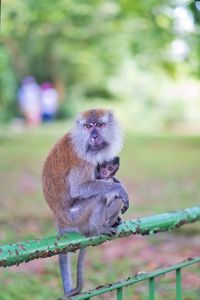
119, 294
17, 253
135, 279
178, 284
152, 288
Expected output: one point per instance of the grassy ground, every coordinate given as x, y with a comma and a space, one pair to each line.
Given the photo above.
161, 173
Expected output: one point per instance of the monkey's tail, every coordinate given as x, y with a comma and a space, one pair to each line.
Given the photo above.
79, 275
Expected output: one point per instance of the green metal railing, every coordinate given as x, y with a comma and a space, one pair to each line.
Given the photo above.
118, 286
14, 254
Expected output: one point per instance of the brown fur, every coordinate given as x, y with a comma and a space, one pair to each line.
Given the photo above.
59, 162
96, 112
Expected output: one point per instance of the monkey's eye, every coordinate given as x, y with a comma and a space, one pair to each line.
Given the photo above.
103, 166
100, 125
110, 169
88, 125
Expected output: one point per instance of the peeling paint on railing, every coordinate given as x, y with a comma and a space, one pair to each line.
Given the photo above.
16, 253
131, 280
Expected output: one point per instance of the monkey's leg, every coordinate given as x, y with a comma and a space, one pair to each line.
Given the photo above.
113, 211
107, 229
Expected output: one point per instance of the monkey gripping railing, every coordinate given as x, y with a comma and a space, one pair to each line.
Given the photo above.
14, 254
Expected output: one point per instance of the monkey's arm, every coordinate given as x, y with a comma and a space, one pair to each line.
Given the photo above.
91, 188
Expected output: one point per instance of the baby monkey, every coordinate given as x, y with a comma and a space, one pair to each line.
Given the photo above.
107, 170
104, 211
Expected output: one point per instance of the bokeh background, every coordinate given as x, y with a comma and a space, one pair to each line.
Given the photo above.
140, 58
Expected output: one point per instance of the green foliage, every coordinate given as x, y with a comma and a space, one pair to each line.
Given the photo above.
7, 87
83, 44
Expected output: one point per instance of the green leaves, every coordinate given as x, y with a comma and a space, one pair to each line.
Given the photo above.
83, 43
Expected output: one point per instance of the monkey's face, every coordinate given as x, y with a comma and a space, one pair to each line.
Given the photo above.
97, 136
96, 140
108, 169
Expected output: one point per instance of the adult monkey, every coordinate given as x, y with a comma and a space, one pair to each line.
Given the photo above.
69, 175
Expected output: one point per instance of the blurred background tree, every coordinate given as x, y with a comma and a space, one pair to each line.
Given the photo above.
133, 52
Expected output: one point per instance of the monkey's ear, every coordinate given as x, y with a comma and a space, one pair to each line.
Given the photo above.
79, 119
110, 111
110, 114
116, 160
98, 167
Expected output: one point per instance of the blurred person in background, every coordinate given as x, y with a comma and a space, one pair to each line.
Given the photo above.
49, 102
29, 97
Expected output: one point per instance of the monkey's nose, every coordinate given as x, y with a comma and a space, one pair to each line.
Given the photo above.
94, 136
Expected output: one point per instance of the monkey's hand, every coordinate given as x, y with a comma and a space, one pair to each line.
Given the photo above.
124, 208
123, 195
126, 203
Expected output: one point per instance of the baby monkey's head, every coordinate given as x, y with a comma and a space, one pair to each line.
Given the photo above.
107, 169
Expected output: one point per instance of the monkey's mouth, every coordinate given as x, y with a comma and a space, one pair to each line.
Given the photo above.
94, 148
105, 174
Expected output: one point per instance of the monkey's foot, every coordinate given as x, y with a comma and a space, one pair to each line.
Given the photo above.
108, 230
118, 222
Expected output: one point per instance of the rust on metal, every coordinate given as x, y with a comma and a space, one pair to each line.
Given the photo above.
13, 254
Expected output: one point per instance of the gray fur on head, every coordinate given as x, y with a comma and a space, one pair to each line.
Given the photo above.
111, 134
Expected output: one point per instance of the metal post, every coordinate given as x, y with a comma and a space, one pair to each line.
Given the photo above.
152, 288
178, 284
119, 294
